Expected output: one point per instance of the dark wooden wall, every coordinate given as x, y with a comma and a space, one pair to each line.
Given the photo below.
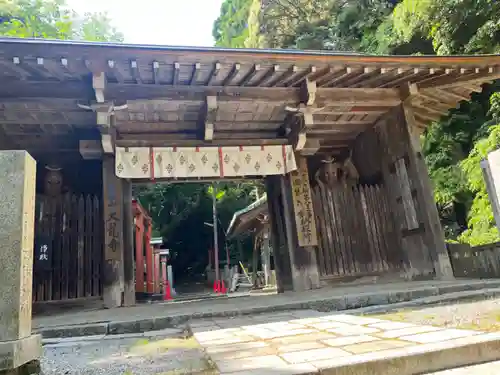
382, 155
79, 175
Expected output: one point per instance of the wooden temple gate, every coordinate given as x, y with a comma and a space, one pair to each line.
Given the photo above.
163, 113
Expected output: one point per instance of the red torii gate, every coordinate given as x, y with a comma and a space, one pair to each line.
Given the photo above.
145, 275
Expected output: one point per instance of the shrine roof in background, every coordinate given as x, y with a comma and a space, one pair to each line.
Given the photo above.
252, 217
171, 93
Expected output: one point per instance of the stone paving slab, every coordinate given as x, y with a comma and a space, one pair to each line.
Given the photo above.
357, 345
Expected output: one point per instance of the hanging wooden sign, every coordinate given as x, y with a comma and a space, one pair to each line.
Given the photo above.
302, 205
113, 224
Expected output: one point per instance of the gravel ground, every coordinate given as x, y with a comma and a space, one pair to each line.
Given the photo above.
481, 315
125, 355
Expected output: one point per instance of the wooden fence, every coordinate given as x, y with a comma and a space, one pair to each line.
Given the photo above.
356, 231
68, 248
475, 262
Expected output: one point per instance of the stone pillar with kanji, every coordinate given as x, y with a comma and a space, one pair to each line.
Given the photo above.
18, 346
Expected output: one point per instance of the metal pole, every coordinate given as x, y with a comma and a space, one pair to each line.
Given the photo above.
216, 240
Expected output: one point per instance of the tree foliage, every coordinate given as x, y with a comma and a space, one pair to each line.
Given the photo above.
53, 19
181, 212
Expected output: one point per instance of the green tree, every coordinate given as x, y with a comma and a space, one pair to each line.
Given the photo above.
53, 19
453, 26
231, 29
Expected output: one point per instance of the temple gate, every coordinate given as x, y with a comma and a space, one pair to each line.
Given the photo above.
336, 137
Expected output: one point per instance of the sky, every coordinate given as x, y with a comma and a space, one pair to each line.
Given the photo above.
166, 22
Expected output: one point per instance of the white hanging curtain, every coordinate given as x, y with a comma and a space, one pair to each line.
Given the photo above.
183, 162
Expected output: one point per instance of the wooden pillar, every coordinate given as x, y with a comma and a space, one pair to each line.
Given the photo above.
157, 273
300, 227
164, 274
150, 288
128, 245
255, 259
113, 272
139, 253
425, 198
278, 236
266, 257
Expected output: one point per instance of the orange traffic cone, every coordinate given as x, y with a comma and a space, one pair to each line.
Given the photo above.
168, 294
219, 289
216, 286
223, 289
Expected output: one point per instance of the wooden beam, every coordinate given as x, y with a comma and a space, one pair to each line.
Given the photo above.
310, 147
141, 127
120, 92
341, 76
169, 142
251, 73
213, 74
278, 81
175, 76
99, 85
108, 137
210, 115
135, 71
156, 72
90, 149
114, 72
234, 71
196, 74
368, 72
404, 77
308, 92
478, 75
298, 78
267, 76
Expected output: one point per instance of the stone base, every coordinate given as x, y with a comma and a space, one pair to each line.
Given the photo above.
14, 354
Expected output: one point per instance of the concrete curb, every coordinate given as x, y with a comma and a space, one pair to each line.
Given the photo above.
421, 360
468, 296
372, 302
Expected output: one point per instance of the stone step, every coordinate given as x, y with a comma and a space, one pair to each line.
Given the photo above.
369, 302
309, 342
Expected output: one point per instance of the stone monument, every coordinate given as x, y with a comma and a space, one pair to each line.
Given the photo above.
17, 213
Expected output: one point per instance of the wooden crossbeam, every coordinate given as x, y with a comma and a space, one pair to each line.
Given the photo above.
210, 115
130, 92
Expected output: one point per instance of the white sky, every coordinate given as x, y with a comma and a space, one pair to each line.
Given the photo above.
166, 22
